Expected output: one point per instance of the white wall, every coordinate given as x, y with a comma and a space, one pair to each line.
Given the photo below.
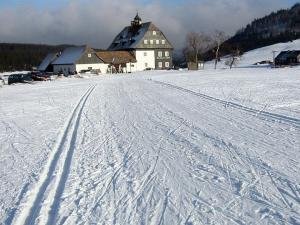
142, 59
131, 67
102, 66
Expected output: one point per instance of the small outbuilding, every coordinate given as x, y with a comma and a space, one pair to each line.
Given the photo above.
288, 58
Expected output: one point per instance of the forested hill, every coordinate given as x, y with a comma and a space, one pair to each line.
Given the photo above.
280, 26
24, 56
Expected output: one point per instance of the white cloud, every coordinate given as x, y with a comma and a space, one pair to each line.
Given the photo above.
96, 22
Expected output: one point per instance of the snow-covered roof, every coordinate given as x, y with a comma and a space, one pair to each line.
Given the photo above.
47, 61
288, 54
130, 37
70, 55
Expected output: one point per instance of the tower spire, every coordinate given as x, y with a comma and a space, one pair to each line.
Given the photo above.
137, 21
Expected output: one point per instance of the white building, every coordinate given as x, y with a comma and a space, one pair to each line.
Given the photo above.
76, 59
151, 48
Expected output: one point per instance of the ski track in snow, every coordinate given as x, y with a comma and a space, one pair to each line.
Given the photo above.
136, 150
134, 180
256, 112
43, 200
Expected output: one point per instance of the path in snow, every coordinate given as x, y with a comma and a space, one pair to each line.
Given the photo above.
43, 200
139, 151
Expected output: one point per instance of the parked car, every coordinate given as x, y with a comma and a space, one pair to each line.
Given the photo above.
40, 76
5, 79
19, 78
148, 68
85, 71
1, 82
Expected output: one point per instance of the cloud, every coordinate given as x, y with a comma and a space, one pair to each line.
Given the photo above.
96, 22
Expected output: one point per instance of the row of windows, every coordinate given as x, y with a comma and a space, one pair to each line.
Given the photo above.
160, 54
160, 64
156, 42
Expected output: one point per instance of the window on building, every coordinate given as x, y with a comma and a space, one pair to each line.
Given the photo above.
167, 54
167, 64
145, 42
157, 42
89, 55
146, 65
145, 53
163, 42
160, 64
151, 42
154, 32
159, 54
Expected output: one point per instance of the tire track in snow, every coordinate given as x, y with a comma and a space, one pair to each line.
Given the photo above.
273, 116
55, 173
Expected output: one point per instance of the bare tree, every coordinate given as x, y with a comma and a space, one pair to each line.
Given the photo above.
197, 43
218, 38
233, 58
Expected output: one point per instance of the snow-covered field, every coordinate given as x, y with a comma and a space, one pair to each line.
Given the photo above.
159, 147
208, 147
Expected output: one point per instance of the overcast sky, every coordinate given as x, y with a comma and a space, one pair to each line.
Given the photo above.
97, 22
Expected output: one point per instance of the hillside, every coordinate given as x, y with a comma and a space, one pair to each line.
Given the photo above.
280, 26
251, 57
24, 56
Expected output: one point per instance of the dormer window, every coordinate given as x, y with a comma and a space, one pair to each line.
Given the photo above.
163, 42
145, 42
89, 55
151, 42
154, 32
157, 42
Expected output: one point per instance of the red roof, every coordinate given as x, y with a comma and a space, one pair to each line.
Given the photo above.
116, 57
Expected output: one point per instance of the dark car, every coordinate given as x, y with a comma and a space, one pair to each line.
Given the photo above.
19, 78
40, 76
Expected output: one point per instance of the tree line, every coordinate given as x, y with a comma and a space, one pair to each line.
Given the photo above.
16, 57
280, 26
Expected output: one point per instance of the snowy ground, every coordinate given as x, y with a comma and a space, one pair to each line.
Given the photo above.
208, 147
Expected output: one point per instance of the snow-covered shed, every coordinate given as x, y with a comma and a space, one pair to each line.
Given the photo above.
75, 59
288, 58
